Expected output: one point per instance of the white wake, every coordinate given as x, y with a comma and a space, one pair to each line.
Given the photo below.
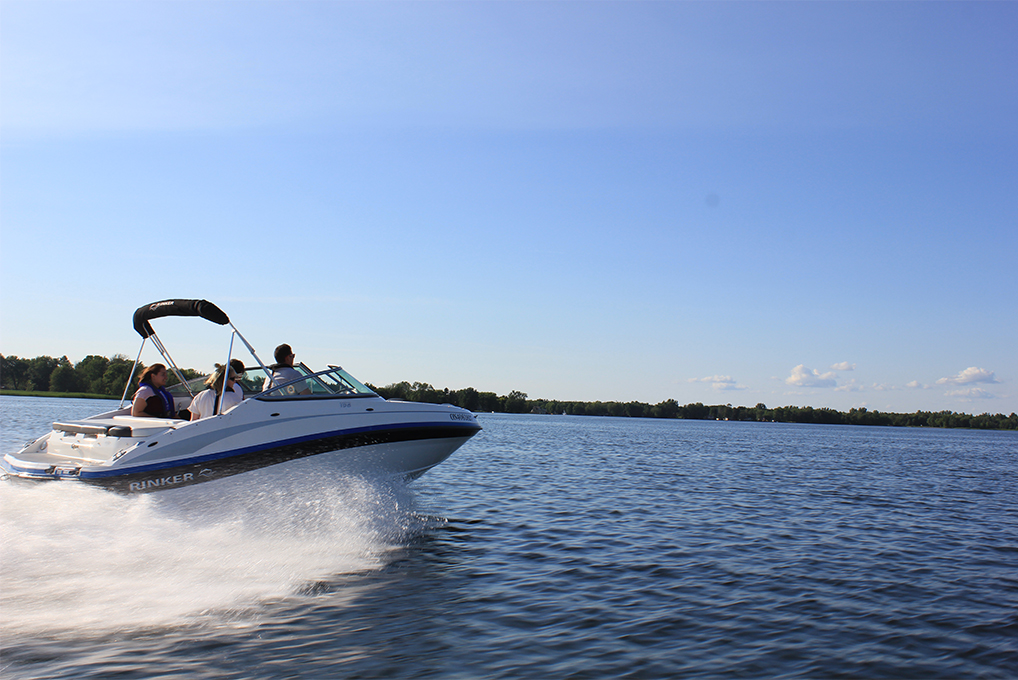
76, 558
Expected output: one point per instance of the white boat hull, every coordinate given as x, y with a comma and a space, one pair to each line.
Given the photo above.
349, 435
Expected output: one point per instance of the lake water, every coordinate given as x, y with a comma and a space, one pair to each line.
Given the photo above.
547, 547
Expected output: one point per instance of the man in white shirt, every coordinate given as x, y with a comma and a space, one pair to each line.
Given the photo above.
283, 371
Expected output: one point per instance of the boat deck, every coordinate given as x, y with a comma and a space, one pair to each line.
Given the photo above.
92, 441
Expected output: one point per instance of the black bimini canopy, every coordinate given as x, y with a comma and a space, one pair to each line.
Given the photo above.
202, 308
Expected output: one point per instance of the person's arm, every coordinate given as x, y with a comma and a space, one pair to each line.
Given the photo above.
195, 407
140, 402
138, 406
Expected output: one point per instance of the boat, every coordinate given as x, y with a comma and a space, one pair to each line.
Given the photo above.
324, 423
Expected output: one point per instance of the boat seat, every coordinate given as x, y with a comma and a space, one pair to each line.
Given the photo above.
78, 428
119, 426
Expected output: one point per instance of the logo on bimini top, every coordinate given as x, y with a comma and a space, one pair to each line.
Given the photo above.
157, 305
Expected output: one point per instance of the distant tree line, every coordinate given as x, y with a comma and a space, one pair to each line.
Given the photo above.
94, 374
518, 402
101, 376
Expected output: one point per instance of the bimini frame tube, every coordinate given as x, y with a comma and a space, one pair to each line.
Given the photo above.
169, 360
251, 350
166, 355
130, 378
227, 369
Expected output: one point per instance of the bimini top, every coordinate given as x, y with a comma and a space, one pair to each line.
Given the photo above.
202, 308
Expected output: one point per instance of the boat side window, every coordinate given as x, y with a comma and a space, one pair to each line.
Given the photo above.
179, 391
252, 380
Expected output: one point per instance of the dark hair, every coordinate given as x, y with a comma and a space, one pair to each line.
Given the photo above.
146, 375
237, 365
282, 352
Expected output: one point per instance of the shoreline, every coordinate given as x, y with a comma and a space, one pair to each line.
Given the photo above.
60, 395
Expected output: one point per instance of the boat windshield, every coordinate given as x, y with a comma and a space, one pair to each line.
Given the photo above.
330, 382
333, 381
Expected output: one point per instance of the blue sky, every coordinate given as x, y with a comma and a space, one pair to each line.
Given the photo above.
788, 203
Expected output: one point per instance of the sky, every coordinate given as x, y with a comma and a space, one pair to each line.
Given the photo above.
809, 204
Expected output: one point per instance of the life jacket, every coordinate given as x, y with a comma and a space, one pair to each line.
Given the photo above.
159, 405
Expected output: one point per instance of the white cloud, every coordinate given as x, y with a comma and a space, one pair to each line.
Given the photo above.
916, 385
805, 377
850, 386
843, 366
721, 383
714, 378
970, 375
971, 393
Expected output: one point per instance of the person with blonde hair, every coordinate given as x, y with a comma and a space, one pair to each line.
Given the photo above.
208, 402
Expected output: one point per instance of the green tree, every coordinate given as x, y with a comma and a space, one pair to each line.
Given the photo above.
515, 402
426, 393
90, 373
489, 401
39, 371
666, 409
468, 398
400, 390
14, 372
116, 374
695, 411
188, 373
64, 378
